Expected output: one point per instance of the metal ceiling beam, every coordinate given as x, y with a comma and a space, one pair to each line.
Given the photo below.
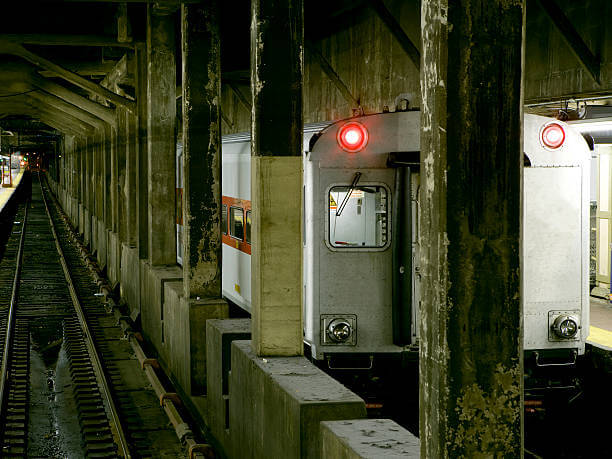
18, 50
396, 30
572, 38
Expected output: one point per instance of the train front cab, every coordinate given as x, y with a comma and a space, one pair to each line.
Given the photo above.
555, 256
360, 241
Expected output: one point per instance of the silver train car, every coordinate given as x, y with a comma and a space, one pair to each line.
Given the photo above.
361, 277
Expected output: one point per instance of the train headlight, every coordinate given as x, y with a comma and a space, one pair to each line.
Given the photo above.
565, 327
552, 136
339, 330
352, 136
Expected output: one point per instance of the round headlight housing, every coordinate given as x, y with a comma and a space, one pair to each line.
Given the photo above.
565, 326
339, 330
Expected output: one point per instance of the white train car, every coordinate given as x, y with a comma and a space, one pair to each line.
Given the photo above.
360, 237
555, 241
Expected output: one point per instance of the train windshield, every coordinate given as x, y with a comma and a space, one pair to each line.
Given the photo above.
358, 216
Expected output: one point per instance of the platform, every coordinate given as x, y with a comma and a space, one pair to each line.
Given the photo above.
6, 193
601, 324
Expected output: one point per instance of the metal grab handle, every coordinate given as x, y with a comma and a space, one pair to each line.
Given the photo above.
329, 365
537, 359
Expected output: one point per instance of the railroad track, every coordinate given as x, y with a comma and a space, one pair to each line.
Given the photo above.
41, 286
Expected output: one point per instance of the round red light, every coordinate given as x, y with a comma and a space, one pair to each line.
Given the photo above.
553, 135
352, 137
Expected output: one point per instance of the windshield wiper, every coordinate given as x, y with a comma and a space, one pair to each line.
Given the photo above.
348, 195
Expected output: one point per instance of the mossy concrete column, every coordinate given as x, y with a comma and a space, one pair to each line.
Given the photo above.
161, 144
277, 47
202, 178
142, 163
201, 150
131, 168
471, 156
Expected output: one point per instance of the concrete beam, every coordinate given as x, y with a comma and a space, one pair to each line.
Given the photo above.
65, 40
277, 42
96, 109
18, 50
573, 39
332, 75
396, 30
161, 144
123, 24
471, 363
59, 104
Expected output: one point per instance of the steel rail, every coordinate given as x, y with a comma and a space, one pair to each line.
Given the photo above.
116, 425
11, 317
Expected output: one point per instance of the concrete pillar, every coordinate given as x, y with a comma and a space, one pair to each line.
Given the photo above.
99, 174
109, 153
277, 41
161, 144
142, 163
471, 365
201, 150
120, 157
131, 172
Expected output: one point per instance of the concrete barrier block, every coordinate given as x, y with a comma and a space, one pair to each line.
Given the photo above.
219, 337
129, 284
367, 439
102, 243
113, 257
152, 285
277, 404
81, 226
87, 229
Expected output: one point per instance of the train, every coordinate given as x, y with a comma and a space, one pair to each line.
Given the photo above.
361, 236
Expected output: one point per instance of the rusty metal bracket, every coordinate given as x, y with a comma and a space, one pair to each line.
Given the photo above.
172, 396
203, 448
153, 362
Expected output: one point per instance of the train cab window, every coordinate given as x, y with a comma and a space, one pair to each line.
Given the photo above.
248, 226
358, 217
224, 219
237, 223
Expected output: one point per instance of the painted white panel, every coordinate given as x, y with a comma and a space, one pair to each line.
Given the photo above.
553, 235
604, 248
604, 183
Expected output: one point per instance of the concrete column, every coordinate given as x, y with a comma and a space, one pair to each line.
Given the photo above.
142, 163
471, 365
201, 151
99, 174
131, 172
277, 41
161, 144
109, 152
113, 223
121, 204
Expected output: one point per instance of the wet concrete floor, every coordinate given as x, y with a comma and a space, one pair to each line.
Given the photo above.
54, 429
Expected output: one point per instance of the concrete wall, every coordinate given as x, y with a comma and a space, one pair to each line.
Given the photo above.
551, 69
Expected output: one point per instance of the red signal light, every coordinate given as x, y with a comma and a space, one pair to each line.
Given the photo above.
553, 135
352, 137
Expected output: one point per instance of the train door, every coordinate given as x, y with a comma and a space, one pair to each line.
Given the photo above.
358, 218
